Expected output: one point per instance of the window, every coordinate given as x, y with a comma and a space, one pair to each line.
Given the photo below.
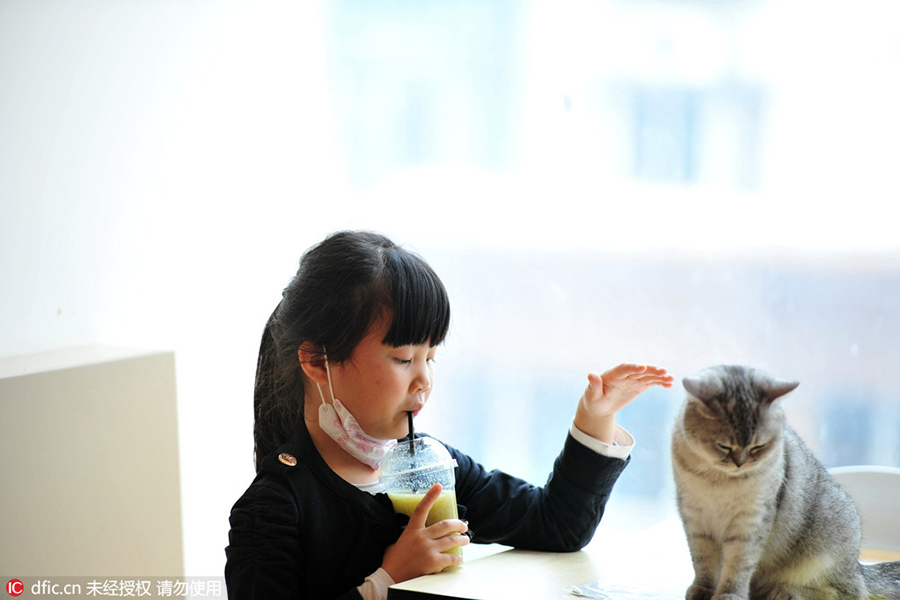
679, 183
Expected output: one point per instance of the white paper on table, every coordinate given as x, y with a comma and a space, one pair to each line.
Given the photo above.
598, 592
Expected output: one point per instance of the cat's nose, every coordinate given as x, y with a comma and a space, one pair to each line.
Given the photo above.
740, 458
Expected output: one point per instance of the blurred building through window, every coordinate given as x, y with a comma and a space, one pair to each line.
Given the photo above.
530, 328
747, 122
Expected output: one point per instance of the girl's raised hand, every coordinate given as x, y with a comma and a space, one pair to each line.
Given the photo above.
421, 550
608, 393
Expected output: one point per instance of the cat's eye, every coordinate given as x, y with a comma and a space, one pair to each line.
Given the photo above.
757, 449
724, 448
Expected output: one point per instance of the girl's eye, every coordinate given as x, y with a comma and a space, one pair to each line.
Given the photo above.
407, 361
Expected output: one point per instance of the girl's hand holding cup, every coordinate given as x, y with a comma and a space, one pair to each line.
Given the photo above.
422, 550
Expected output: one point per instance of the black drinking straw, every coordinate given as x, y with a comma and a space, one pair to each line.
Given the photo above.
412, 447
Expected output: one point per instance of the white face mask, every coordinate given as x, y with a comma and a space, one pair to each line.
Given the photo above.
342, 427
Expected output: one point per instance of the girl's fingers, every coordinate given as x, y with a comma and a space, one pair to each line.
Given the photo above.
649, 374
656, 372
594, 389
420, 515
447, 527
444, 560
625, 370
451, 541
653, 377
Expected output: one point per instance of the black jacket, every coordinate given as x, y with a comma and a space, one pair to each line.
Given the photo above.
303, 532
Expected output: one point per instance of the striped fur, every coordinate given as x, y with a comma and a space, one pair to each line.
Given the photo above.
763, 518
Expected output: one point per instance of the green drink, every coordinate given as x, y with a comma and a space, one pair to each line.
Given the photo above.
443, 508
411, 469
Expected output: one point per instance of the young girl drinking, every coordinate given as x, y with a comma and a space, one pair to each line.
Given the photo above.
344, 357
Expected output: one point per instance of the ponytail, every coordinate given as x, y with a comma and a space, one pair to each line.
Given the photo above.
277, 395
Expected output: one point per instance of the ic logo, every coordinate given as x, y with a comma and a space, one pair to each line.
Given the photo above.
14, 587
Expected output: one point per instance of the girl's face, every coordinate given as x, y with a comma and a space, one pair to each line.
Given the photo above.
379, 384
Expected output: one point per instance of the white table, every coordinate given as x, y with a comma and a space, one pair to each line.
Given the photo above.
653, 563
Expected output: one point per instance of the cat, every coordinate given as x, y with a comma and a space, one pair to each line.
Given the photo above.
762, 516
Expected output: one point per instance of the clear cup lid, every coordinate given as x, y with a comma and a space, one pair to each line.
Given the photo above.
422, 454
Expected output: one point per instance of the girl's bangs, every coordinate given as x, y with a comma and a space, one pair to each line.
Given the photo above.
420, 307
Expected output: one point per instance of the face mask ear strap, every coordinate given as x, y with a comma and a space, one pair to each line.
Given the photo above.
328, 371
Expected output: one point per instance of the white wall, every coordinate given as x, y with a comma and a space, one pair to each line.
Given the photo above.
162, 166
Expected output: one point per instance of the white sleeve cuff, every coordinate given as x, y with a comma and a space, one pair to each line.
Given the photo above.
624, 442
376, 585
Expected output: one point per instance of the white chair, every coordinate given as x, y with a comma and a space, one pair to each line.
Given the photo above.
876, 492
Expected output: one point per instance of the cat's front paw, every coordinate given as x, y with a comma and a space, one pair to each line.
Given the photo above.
698, 592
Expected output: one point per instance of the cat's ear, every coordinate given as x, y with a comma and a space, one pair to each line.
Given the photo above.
692, 385
702, 388
776, 388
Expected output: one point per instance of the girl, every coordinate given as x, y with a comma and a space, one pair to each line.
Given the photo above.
344, 357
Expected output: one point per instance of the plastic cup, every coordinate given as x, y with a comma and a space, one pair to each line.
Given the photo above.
411, 469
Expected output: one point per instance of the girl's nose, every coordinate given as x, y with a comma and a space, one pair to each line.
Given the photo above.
422, 382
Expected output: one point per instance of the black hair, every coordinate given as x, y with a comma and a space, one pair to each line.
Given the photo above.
343, 286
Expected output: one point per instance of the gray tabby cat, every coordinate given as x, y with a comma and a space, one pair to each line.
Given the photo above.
763, 517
